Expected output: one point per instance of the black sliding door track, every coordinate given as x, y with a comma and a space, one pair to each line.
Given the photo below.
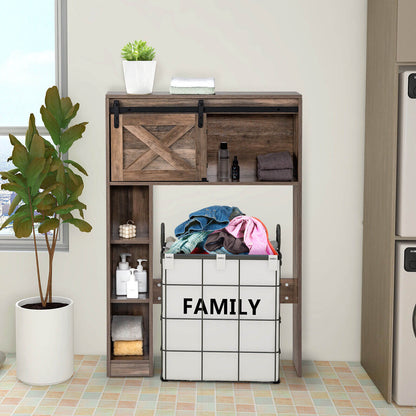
116, 109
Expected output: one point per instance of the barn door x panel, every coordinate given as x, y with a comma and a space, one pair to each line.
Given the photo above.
156, 147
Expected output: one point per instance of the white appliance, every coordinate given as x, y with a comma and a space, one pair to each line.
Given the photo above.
406, 168
404, 359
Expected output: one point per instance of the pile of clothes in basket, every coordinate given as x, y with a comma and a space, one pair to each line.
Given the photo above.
221, 230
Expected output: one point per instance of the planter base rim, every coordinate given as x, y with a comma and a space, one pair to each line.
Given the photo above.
28, 383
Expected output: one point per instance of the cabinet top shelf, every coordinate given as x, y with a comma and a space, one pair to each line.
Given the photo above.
257, 183
220, 94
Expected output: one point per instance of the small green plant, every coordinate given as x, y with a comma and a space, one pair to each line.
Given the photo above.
47, 189
138, 51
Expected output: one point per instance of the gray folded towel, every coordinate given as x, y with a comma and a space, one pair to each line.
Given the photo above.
126, 328
273, 161
276, 175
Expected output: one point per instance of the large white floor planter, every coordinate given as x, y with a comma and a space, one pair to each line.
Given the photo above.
139, 76
44, 343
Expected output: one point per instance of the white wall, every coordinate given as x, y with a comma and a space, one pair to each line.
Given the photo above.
314, 47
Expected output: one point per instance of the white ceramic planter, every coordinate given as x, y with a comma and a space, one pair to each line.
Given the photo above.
44, 343
139, 76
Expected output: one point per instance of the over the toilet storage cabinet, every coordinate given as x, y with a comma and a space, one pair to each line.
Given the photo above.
174, 139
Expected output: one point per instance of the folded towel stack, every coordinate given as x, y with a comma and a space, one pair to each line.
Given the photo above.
275, 167
192, 86
127, 335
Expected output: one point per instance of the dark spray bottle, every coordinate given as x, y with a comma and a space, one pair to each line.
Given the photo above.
235, 171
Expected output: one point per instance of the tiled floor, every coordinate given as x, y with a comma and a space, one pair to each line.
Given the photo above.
327, 388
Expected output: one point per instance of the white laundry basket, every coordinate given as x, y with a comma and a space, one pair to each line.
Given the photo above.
220, 317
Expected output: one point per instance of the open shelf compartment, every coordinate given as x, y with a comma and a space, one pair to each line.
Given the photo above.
129, 203
250, 135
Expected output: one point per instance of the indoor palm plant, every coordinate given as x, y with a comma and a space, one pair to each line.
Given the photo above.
139, 67
47, 192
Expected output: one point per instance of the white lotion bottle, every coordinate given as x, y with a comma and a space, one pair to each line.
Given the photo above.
122, 275
141, 277
132, 286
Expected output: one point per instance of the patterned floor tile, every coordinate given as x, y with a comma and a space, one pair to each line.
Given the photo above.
328, 388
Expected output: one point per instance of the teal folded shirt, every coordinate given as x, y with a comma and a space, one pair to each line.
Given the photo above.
188, 243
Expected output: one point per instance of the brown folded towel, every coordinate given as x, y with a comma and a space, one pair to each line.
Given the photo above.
273, 161
275, 175
128, 348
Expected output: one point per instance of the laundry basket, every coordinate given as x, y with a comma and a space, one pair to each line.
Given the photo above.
220, 316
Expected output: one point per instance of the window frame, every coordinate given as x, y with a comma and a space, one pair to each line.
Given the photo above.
12, 243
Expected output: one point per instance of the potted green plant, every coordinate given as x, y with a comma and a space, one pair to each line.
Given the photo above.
139, 67
47, 192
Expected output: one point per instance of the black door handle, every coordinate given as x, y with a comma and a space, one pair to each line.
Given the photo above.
414, 321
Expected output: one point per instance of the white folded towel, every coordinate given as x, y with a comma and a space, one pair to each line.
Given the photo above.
192, 82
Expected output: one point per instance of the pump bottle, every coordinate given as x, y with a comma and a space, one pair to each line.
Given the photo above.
132, 286
122, 275
141, 276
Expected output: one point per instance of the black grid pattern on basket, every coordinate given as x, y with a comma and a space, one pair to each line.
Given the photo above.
202, 350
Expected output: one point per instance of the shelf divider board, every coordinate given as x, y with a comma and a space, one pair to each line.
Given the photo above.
131, 241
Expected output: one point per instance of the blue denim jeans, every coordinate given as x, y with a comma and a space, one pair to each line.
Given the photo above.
207, 219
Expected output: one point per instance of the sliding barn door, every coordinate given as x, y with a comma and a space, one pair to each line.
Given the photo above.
156, 147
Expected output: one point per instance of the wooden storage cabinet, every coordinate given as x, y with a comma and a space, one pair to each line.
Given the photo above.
130, 202
169, 139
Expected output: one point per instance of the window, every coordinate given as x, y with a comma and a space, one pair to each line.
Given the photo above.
33, 58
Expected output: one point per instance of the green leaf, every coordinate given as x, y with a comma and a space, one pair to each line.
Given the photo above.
12, 178
37, 148
60, 193
66, 105
66, 216
23, 212
48, 225
70, 115
47, 205
14, 141
22, 227
37, 184
60, 174
40, 197
80, 224
53, 104
67, 208
14, 187
31, 131
56, 163
76, 193
51, 124
73, 182
49, 180
33, 171
77, 166
19, 156
70, 135
50, 150
14, 203
7, 222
